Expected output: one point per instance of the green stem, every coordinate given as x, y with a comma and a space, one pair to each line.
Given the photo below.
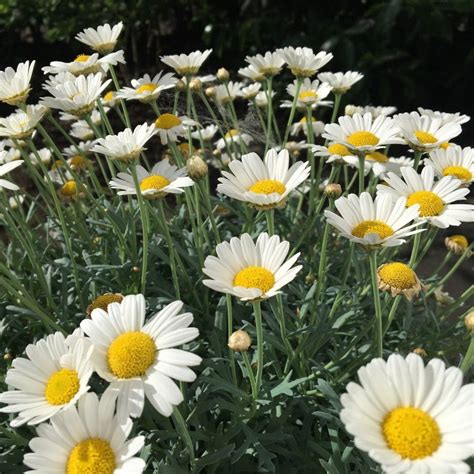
270, 217
182, 429
230, 330
468, 358
417, 159
268, 92
378, 308
253, 382
259, 328
292, 111
122, 102
361, 172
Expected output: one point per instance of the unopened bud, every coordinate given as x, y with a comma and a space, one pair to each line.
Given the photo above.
223, 74
180, 85
333, 190
135, 269
469, 321
195, 84
7, 356
420, 351
239, 341
210, 92
197, 167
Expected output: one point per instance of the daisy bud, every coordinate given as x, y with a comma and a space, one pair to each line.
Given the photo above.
240, 341
469, 321
103, 301
135, 269
195, 84
333, 190
456, 244
180, 85
350, 110
421, 352
7, 356
223, 74
197, 167
210, 92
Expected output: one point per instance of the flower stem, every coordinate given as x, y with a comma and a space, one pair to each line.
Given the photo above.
270, 216
259, 328
230, 330
378, 308
361, 172
253, 382
292, 111
182, 429
468, 358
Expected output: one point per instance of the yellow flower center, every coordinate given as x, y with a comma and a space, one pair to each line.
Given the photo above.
61, 387
377, 156
155, 181
255, 277
372, 227
82, 58
167, 121
304, 120
458, 172
78, 161
338, 149
69, 188
103, 301
305, 95
411, 433
430, 203
425, 137
231, 133
268, 186
445, 145
109, 96
150, 87
398, 275
57, 164
91, 456
362, 139
131, 354
459, 240
184, 148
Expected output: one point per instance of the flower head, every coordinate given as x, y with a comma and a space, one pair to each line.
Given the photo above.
268, 64
102, 39
6, 168
453, 161
311, 93
375, 111
444, 116
398, 278
233, 136
186, 64
15, 85
21, 124
147, 89
170, 126
458, 244
302, 61
340, 82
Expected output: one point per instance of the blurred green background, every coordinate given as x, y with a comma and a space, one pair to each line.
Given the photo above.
413, 52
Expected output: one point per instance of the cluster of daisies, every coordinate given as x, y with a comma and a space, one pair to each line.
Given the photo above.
408, 417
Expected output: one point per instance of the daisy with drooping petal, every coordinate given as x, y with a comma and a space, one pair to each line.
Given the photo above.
126, 145
6, 168
457, 244
302, 126
138, 358
261, 99
335, 152
86, 64
410, 418
302, 62
206, 133
311, 93
15, 85
250, 92
78, 97
398, 278
44, 154
252, 73
363, 134
251, 270
83, 148
163, 179
424, 133
268, 65
453, 161
444, 116
82, 131
371, 222
434, 199
52, 378
170, 126
186, 64
264, 184
375, 111
102, 39
228, 92
21, 124
340, 82
8, 151
233, 136
88, 439
147, 89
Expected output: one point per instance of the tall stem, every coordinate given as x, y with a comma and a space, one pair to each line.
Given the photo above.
378, 308
259, 328
468, 358
292, 111
270, 216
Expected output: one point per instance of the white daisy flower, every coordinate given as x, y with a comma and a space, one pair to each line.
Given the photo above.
410, 418
44, 154
362, 133
233, 136
251, 270
6, 168
170, 126
252, 73
86, 64
8, 152
261, 99
444, 116
374, 222
434, 199
186, 64
21, 124
294, 148
202, 79
102, 39
147, 89
77, 97
302, 126
249, 92
86, 439
266, 183
374, 111
126, 145
206, 133
109, 99
268, 65
380, 164
302, 62
52, 379
82, 131
163, 179
424, 133
138, 358
340, 82
335, 152
57, 79
15, 85
83, 148
228, 92
311, 94
453, 161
